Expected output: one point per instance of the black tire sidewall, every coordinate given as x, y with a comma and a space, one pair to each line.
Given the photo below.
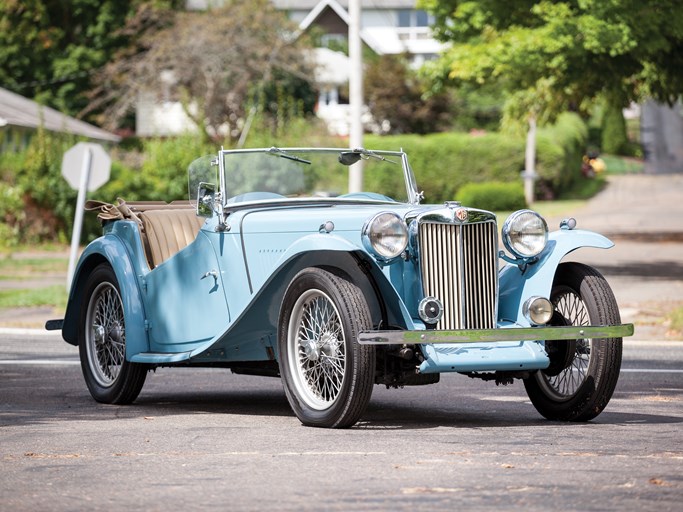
359, 364
130, 380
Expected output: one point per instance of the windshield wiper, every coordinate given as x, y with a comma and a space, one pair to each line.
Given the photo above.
283, 154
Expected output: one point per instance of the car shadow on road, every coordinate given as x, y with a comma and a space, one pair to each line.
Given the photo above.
397, 417
274, 404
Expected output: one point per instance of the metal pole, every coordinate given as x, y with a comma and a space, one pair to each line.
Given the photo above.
355, 94
530, 161
78, 218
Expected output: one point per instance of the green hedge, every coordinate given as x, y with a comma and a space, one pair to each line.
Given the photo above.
444, 162
496, 196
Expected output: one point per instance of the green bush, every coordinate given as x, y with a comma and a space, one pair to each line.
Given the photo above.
444, 162
11, 214
614, 138
495, 195
559, 152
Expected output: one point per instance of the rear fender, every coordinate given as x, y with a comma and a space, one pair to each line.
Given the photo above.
517, 285
109, 249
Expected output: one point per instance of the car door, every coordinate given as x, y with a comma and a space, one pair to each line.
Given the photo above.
185, 299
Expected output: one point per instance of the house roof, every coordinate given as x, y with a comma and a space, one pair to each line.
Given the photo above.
343, 14
368, 4
15, 110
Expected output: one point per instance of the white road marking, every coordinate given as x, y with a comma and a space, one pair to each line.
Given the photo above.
651, 370
54, 362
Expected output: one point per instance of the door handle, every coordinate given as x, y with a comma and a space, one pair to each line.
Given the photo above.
213, 273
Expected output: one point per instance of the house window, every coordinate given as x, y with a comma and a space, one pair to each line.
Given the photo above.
421, 18
404, 17
413, 18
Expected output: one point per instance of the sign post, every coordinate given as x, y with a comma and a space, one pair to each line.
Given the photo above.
86, 168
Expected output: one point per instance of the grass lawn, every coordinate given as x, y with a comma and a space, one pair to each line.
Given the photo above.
29, 268
54, 295
622, 165
36, 269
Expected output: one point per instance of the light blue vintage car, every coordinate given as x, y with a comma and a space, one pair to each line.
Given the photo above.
273, 268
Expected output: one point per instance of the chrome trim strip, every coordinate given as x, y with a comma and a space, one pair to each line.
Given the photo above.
495, 335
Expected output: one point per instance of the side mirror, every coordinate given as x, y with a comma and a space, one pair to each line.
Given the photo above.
206, 196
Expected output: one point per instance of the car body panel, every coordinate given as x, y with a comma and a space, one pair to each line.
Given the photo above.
121, 247
517, 284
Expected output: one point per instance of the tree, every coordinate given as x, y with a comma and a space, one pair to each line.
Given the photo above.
394, 93
213, 62
51, 49
554, 56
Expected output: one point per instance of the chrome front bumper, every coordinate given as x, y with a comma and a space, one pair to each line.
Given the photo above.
495, 335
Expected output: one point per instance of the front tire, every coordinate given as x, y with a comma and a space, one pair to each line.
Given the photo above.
327, 376
110, 378
582, 386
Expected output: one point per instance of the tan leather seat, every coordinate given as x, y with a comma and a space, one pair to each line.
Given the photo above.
168, 231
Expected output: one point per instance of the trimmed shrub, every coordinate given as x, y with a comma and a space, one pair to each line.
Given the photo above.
614, 138
495, 195
444, 162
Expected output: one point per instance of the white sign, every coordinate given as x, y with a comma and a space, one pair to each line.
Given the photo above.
86, 168
73, 165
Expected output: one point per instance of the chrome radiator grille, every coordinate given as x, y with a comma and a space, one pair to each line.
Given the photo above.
459, 265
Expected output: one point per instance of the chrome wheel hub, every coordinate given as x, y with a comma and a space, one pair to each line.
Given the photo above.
317, 355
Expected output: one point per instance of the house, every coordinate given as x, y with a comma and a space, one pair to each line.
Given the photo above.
21, 117
387, 27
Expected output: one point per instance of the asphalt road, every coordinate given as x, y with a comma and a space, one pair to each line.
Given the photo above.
200, 438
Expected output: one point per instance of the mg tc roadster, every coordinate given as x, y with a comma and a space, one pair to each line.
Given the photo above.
273, 267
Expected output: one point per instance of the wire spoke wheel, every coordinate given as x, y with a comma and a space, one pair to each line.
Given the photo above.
327, 375
102, 341
564, 385
105, 334
318, 349
583, 373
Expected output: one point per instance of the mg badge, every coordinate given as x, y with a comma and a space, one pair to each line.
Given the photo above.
461, 214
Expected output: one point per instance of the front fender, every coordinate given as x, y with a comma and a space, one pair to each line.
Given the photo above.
516, 285
108, 249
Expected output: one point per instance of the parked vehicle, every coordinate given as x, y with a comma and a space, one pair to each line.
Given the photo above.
274, 268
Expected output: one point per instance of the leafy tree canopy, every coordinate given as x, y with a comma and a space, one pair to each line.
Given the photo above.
394, 93
50, 49
551, 56
213, 62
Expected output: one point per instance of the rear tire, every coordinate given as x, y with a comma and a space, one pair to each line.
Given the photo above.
110, 378
581, 390
327, 376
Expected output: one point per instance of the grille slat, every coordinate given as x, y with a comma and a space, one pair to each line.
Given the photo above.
459, 267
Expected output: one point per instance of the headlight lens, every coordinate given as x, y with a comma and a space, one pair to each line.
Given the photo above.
525, 234
386, 236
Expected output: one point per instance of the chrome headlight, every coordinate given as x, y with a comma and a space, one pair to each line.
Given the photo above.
525, 234
385, 236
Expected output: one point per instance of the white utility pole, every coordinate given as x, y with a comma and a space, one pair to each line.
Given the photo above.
355, 94
529, 173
